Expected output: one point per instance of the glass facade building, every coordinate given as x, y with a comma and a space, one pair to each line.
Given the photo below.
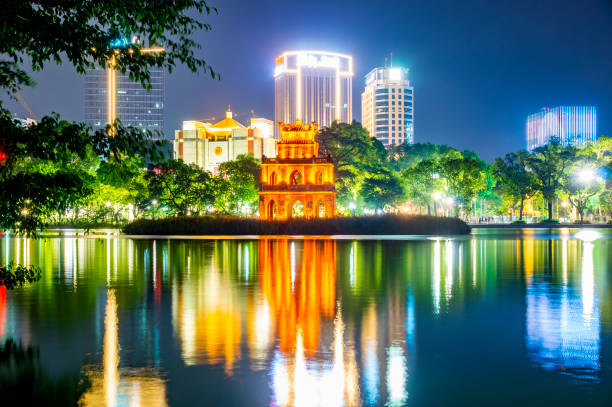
572, 125
387, 105
134, 105
313, 86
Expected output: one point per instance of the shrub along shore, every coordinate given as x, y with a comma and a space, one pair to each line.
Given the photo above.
232, 225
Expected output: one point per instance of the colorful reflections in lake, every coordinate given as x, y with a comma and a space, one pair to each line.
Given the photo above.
310, 322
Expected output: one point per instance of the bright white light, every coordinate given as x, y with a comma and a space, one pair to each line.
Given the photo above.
588, 235
154, 202
395, 74
317, 61
352, 206
437, 195
586, 175
396, 376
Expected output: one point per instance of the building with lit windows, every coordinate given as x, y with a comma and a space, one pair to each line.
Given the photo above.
571, 125
134, 105
387, 105
209, 145
313, 86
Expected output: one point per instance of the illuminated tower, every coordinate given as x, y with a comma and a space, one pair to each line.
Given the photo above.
572, 125
297, 183
387, 106
313, 86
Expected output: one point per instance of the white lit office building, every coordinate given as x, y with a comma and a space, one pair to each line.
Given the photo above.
313, 86
208, 145
571, 125
387, 106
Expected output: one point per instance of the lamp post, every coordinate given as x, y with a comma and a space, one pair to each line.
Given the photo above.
352, 207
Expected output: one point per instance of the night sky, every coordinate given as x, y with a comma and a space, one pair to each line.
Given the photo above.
478, 67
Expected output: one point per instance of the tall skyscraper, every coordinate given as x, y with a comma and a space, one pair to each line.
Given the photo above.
313, 86
133, 104
572, 125
387, 106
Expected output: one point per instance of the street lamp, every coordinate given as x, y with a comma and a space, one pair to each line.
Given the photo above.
352, 207
436, 196
586, 175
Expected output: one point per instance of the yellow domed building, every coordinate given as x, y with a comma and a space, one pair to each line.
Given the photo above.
297, 183
208, 145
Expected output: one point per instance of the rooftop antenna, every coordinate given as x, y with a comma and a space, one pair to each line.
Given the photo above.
385, 62
252, 113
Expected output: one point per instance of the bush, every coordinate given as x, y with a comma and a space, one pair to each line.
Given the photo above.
519, 222
365, 225
549, 221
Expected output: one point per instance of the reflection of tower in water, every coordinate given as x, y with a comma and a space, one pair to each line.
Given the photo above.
299, 286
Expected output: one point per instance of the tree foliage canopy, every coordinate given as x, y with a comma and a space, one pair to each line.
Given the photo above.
85, 33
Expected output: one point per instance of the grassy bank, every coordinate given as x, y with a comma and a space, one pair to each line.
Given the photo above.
367, 225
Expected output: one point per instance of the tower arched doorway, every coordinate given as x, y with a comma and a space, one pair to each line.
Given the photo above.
272, 209
295, 178
297, 209
321, 209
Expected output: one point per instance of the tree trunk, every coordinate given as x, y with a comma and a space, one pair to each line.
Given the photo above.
521, 208
550, 209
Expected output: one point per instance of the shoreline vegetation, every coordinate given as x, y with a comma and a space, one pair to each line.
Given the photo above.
232, 225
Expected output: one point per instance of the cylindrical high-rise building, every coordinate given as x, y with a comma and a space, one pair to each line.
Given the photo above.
387, 106
313, 86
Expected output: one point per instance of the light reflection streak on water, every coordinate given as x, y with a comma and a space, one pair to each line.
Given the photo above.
316, 384
111, 351
588, 282
110, 387
563, 323
292, 262
353, 264
396, 376
448, 281
436, 278
369, 340
8, 252
246, 263
474, 274
564, 244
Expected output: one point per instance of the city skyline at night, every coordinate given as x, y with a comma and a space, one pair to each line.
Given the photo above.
479, 70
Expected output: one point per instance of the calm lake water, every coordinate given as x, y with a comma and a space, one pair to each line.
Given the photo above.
501, 317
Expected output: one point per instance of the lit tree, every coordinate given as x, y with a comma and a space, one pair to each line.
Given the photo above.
464, 178
243, 179
549, 164
515, 178
181, 188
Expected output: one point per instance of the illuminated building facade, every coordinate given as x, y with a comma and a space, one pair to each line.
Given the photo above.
297, 183
572, 125
132, 104
313, 86
387, 106
209, 145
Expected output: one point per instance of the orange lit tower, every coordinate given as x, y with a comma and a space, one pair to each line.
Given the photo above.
297, 183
